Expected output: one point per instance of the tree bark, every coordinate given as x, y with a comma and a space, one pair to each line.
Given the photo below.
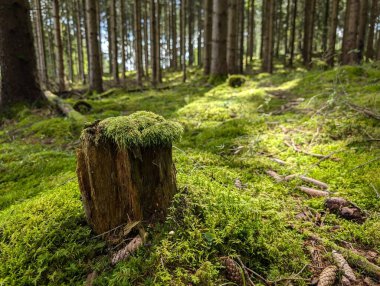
207, 36
232, 41
174, 35
78, 14
87, 39
95, 73
325, 25
158, 41
349, 45
362, 29
219, 39
118, 187
370, 53
293, 32
98, 23
190, 11
69, 43
153, 41
241, 14
286, 32
332, 32
279, 29
58, 47
146, 37
113, 41
200, 33
138, 42
183, 37
19, 81
122, 39
251, 30
308, 32
268, 37
41, 44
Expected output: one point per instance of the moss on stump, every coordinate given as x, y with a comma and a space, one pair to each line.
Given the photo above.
125, 169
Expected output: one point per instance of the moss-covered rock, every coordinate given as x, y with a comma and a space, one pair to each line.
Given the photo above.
236, 80
142, 129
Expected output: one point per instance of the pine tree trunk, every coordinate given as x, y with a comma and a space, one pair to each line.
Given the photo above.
241, 16
371, 32
268, 37
113, 41
98, 23
251, 30
183, 39
325, 25
87, 39
58, 47
308, 32
232, 41
332, 32
219, 66
78, 14
174, 34
19, 80
69, 43
349, 45
158, 42
153, 43
207, 36
293, 33
41, 44
279, 28
122, 39
190, 11
286, 32
95, 74
200, 33
138, 41
362, 29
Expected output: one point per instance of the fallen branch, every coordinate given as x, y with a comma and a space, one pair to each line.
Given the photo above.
320, 156
279, 161
320, 184
275, 176
363, 110
313, 192
63, 107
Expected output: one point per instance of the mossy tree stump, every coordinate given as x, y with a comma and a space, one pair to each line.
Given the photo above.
125, 169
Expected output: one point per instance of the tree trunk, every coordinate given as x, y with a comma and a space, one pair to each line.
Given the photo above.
69, 43
183, 37
279, 29
293, 33
146, 37
251, 30
87, 38
153, 41
241, 14
174, 35
95, 73
332, 32
349, 45
286, 32
190, 11
308, 32
58, 47
207, 36
41, 44
232, 41
158, 42
19, 81
122, 40
362, 29
78, 14
119, 185
200, 33
113, 41
371, 32
138, 41
98, 23
219, 39
325, 25
268, 37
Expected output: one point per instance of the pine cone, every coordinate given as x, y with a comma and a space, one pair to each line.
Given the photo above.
328, 276
344, 266
233, 272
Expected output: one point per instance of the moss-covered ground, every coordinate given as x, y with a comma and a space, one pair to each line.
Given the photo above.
227, 204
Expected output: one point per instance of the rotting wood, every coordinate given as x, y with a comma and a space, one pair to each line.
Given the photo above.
63, 107
125, 252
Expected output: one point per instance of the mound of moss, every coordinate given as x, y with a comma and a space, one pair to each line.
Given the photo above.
236, 80
140, 129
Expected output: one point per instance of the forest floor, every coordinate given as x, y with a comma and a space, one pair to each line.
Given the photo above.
228, 205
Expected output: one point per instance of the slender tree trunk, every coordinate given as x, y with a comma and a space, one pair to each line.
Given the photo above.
78, 14
286, 32
293, 33
207, 36
308, 32
95, 73
349, 45
219, 66
19, 81
325, 25
174, 34
158, 42
98, 22
113, 41
58, 47
251, 30
371, 32
122, 39
41, 44
87, 39
200, 32
183, 37
378, 48
146, 36
268, 37
241, 14
362, 29
70, 65
263, 28
138, 41
332, 32
232, 42
153, 41
190, 12
279, 31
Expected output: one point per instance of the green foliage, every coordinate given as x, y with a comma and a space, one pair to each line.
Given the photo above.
236, 80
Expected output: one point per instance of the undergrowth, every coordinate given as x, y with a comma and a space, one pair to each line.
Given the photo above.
227, 204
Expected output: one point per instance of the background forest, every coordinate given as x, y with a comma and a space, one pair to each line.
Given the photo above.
277, 168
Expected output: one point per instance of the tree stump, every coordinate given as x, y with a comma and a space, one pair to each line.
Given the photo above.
125, 169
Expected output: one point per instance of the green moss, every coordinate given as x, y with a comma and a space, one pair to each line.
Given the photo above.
143, 128
236, 80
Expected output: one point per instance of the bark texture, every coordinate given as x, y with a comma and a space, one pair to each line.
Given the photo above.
268, 36
60, 73
41, 45
19, 80
207, 36
308, 32
371, 32
332, 32
113, 41
349, 45
138, 42
232, 41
